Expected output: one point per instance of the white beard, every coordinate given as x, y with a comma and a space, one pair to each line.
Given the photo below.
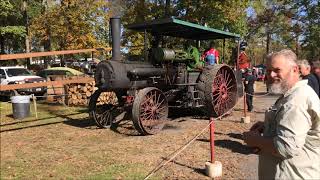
282, 86
278, 88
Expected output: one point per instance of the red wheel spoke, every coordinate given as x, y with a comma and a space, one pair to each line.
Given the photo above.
217, 98
161, 108
224, 74
144, 114
147, 117
158, 99
228, 76
229, 82
230, 87
160, 104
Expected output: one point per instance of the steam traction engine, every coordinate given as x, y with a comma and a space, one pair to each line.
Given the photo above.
169, 78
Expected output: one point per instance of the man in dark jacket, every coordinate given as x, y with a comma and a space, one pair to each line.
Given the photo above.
305, 71
249, 80
316, 68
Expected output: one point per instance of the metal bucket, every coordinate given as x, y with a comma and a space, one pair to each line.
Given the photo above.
20, 106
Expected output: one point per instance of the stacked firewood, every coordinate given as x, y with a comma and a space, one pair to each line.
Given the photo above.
107, 98
79, 94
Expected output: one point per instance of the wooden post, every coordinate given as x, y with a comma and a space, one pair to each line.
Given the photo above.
35, 105
222, 61
238, 53
244, 103
245, 118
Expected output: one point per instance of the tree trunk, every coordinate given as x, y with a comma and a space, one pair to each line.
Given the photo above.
1, 45
167, 9
27, 41
297, 45
267, 41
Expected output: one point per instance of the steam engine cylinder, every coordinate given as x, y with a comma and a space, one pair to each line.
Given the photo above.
114, 75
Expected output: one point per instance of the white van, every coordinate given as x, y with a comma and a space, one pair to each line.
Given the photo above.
21, 75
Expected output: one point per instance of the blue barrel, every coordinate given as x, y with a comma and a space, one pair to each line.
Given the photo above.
20, 106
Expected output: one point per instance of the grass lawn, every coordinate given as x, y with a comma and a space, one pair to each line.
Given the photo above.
62, 143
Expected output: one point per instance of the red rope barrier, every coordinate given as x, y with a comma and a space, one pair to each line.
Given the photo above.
212, 139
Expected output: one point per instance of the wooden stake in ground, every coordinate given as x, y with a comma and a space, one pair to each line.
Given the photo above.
35, 105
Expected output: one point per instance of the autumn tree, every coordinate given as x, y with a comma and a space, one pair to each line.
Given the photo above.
279, 24
306, 24
12, 28
73, 24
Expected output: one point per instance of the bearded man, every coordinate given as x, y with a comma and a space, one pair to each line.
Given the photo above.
288, 141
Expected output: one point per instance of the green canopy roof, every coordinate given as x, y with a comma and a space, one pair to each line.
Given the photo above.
178, 28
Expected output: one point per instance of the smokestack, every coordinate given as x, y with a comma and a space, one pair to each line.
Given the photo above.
115, 34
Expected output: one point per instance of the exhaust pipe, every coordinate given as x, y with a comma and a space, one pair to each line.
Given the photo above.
115, 24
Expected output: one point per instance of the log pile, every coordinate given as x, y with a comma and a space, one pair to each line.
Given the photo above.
79, 94
55, 93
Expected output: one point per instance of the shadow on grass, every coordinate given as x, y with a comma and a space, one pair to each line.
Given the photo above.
171, 127
125, 127
81, 123
234, 146
196, 113
10, 116
195, 169
66, 119
33, 120
76, 122
32, 126
236, 136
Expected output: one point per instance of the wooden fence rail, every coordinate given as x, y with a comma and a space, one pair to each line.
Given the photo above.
48, 83
49, 53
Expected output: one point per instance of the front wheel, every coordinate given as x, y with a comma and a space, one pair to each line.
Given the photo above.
150, 111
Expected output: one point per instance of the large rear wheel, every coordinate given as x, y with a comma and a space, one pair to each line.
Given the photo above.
218, 89
149, 111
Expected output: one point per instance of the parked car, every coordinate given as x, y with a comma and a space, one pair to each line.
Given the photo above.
56, 71
20, 75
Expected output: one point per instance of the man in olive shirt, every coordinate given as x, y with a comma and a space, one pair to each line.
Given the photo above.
289, 138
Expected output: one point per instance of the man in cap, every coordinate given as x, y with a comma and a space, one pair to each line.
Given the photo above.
249, 80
